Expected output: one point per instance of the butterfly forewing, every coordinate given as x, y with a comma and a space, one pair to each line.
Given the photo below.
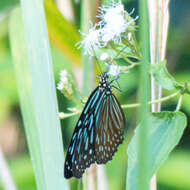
80, 152
110, 129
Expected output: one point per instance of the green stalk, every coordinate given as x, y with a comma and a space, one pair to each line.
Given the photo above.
179, 103
36, 87
143, 183
87, 75
87, 65
63, 115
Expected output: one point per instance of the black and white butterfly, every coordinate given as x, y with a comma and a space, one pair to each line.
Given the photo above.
98, 132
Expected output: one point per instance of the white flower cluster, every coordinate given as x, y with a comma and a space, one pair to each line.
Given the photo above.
63, 80
113, 25
65, 85
113, 21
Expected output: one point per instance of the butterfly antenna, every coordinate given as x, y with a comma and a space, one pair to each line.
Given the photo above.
116, 79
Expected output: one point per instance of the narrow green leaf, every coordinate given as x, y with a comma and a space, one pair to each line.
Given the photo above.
142, 145
163, 78
34, 75
164, 133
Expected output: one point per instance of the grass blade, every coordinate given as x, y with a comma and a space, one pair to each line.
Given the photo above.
37, 94
144, 96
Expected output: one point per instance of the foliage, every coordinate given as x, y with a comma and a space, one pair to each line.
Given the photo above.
35, 89
66, 55
164, 132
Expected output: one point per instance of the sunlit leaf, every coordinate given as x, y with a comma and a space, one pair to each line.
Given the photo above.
163, 78
36, 87
164, 133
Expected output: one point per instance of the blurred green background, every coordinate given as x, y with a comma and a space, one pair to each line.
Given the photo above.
63, 26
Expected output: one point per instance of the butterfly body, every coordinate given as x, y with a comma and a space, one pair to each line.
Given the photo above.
98, 132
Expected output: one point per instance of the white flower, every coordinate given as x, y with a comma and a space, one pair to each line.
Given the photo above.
104, 56
115, 21
60, 86
65, 84
112, 30
63, 73
91, 41
63, 80
114, 70
108, 12
129, 36
63, 77
61, 115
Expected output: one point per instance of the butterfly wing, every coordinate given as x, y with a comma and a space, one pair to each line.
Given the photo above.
80, 154
110, 129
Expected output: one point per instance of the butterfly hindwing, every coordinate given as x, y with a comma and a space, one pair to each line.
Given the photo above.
110, 129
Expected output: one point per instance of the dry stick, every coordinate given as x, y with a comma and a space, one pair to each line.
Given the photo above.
5, 175
101, 178
87, 11
158, 19
65, 7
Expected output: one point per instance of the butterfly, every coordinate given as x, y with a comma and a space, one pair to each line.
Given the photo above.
98, 132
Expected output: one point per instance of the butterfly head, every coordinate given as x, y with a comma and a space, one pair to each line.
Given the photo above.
104, 84
103, 77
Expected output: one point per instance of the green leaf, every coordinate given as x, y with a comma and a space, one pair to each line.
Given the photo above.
164, 133
163, 78
36, 87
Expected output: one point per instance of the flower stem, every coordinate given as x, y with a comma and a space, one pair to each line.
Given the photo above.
179, 103
152, 102
131, 62
125, 106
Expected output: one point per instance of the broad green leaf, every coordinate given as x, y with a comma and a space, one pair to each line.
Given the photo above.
36, 87
164, 133
62, 33
163, 78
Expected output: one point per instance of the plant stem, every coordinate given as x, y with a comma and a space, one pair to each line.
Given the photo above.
126, 68
63, 115
125, 106
129, 61
179, 103
142, 145
87, 7
152, 102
